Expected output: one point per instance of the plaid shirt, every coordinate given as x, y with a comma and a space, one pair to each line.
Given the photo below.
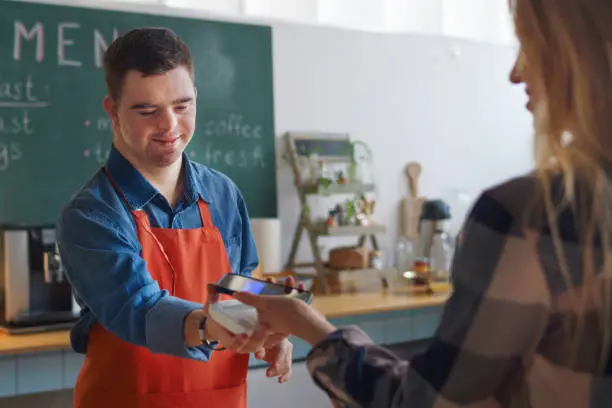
501, 341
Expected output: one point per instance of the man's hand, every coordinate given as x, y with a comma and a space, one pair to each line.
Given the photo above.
243, 343
213, 331
280, 359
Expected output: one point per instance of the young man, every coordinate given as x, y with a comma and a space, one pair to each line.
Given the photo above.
143, 238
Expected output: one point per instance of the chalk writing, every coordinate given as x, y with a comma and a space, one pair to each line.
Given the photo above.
99, 154
62, 42
67, 31
9, 104
100, 46
105, 125
16, 98
15, 124
36, 31
9, 152
213, 157
232, 126
18, 91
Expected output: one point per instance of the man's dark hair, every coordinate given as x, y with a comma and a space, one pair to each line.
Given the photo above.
149, 50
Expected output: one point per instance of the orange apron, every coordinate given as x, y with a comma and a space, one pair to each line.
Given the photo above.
117, 374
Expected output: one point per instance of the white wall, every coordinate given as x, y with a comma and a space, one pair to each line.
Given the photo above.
446, 103
480, 20
483, 20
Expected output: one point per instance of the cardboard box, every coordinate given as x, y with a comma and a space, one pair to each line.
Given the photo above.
349, 258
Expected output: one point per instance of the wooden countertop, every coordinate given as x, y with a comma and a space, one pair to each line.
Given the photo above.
30, 343
332, 306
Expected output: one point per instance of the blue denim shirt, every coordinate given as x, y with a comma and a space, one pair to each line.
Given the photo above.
102, 255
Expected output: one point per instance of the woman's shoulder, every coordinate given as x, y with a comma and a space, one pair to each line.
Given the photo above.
520, 203
508, 231
508, 202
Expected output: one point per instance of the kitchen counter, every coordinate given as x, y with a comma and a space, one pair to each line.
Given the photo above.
332, 306
34, 342
346, 305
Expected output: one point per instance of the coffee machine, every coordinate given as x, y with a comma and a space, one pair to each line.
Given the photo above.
34, 292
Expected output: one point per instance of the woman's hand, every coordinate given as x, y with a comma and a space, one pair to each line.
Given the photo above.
288, 316
280, 358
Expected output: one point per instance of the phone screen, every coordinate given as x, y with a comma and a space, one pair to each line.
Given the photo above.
231, 283
253, 286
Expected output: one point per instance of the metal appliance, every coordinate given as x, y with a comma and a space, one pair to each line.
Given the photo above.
34, 292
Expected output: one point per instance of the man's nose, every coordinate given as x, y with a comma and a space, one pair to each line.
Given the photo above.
167, 120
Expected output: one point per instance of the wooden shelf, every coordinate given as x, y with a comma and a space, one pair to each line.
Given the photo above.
349, 188
327, 146
348, 230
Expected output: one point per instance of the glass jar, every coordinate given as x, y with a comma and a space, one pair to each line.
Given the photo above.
405, 251
442, 250
376, 260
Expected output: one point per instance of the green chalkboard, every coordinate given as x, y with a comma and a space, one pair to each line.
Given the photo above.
54, 133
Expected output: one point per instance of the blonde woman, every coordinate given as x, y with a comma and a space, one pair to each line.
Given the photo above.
529, 321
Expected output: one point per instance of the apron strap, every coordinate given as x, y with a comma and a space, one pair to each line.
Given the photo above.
205, 214
142, 220
117, 189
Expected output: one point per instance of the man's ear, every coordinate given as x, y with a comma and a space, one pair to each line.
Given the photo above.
110, 106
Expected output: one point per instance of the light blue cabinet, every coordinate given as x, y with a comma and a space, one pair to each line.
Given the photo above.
8, 379
425, 322
72, 365
32, 373
39, 372
398, 328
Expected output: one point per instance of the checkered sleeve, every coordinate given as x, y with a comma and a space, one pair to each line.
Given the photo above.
490, 327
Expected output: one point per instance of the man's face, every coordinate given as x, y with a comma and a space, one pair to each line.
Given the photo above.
154, 119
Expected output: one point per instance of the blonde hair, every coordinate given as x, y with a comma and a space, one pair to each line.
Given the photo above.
567, 46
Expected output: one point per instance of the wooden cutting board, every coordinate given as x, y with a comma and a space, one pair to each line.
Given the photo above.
411, 213
413, 204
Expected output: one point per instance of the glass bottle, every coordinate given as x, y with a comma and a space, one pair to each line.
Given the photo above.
441, 255
376, 260
404, 255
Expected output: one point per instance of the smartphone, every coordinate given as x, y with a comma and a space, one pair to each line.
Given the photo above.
231, 283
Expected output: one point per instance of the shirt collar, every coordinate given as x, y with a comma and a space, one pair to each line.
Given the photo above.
138, 191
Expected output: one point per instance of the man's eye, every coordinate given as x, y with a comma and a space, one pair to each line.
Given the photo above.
146, 112
181, 108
